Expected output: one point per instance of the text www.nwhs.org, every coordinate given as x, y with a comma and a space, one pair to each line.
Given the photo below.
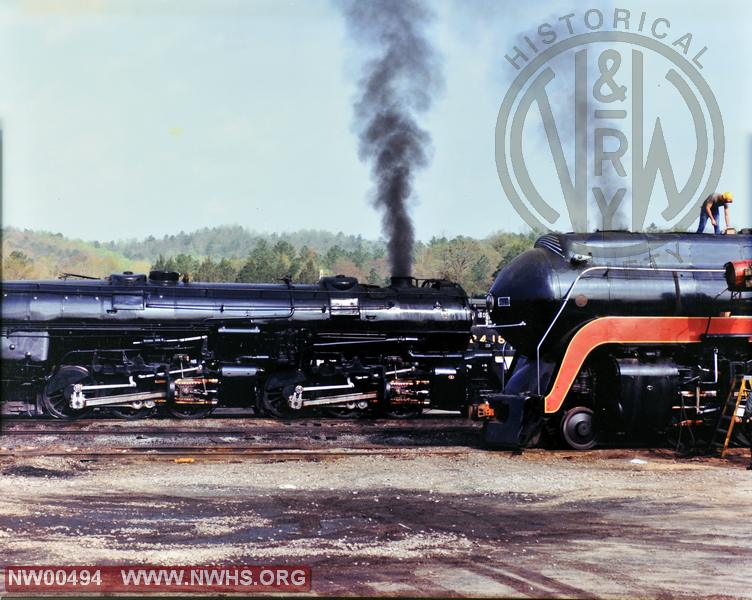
148, 577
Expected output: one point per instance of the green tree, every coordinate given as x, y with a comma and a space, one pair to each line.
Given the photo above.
260, 266
285, 259
206, 271
465, 261
510, 245
185, 264
309, 273
225, 271
358, 255
333, 255
159, 264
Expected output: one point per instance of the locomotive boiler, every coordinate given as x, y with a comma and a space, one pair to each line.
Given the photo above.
618, 334
134, 342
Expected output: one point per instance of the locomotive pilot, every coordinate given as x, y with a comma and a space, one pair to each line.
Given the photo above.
710, 209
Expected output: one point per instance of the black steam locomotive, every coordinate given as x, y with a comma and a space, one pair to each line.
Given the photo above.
616, 333
619, 333
132, 343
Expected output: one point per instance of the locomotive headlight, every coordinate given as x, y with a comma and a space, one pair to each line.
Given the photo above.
490, 301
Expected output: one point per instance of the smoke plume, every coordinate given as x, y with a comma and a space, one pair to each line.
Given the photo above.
398, 83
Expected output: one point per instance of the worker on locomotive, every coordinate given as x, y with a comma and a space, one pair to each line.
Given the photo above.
710, 210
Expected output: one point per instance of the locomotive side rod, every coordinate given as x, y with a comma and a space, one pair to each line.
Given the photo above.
333, 400
123, 399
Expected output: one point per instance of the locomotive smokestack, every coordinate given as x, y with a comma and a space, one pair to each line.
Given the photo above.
398, 282
397, 84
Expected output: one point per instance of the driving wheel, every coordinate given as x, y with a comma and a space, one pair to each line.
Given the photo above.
577, 428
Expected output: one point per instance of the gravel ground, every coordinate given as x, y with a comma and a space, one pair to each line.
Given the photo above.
608, 523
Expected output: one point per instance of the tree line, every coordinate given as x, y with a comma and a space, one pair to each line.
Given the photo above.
472, 262
234, 241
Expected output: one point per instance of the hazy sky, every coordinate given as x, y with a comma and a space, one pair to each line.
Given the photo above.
130, 118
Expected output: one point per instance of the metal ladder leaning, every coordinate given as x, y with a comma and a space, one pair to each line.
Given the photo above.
738, 397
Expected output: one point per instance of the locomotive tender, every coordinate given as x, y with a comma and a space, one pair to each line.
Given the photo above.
619, 333
132, 342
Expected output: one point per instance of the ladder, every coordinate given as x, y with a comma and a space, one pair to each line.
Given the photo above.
738, 397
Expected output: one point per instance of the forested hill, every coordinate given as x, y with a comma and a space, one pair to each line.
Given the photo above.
232, 253
29, 254
234, 241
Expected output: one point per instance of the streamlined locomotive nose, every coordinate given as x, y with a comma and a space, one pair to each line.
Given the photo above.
523, 293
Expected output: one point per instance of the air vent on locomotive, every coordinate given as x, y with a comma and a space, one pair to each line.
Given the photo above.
127, 278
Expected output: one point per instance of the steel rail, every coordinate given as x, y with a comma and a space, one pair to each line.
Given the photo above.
276, 453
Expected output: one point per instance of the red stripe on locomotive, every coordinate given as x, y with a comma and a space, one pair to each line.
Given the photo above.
636, 330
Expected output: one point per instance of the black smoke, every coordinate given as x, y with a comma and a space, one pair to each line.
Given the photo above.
398, 83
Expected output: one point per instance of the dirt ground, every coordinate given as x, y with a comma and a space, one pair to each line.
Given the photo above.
447, 519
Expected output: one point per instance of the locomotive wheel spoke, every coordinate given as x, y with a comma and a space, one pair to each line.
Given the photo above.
277, 390
56, 395
274, 403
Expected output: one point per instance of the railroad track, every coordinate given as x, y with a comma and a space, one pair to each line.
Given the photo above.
96, 427
12, 431
274, 453
260, 438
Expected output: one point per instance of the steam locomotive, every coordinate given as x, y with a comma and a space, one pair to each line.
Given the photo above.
616, 334
133, 343
622, 334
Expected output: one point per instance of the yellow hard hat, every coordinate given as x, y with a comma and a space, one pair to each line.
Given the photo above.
728, 196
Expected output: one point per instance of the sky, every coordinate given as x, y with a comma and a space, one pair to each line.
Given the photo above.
129, 118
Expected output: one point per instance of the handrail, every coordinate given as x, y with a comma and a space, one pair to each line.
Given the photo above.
495, 326
603, 268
